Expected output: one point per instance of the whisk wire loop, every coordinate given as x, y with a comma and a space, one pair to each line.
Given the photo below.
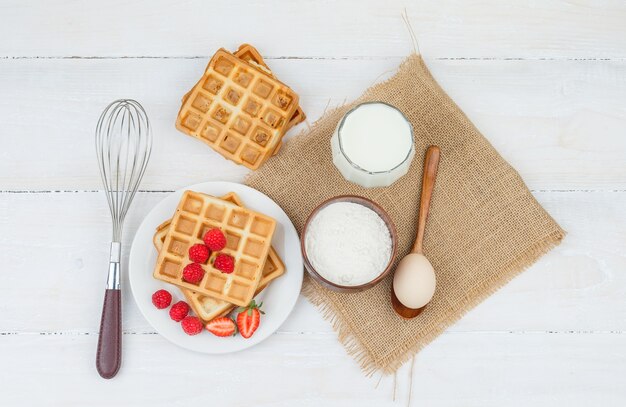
123, 147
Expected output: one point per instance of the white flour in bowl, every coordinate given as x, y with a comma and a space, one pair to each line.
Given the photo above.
348, 243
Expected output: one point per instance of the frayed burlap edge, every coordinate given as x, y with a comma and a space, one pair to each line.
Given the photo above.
330, 312
392, 361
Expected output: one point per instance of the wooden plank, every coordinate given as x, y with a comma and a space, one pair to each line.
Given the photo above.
456, 29
482, 370
56, 251
282, 371
469, 369
544, 81
559, 123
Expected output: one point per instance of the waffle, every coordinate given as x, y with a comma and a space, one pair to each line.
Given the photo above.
161, 231
238, 109
250, 54
248, 234
208, 308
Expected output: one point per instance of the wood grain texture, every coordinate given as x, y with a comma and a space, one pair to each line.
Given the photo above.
579, 286
300, 370
314, 29
543, 80
431, 163
559, 123
484, 369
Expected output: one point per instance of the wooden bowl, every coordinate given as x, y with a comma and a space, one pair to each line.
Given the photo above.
368, 204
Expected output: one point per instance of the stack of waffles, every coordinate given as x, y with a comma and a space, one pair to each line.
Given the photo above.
248, 235
240, 108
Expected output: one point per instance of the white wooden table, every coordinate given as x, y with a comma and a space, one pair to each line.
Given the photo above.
545, 81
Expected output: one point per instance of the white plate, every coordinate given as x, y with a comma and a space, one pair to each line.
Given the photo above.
278, 298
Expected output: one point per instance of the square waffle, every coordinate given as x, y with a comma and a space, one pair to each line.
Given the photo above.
248, 234
238, 109
249, 54
208, 308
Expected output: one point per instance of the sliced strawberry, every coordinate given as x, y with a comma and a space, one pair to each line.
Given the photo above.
222, 326
249, 318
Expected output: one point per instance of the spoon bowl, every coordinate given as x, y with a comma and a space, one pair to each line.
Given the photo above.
414, 271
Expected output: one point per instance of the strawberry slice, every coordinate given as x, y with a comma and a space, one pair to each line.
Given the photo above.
222, 326
249, 318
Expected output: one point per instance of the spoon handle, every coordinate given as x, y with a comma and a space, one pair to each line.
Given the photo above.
428, 184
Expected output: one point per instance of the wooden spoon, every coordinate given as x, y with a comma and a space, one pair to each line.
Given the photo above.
415, 270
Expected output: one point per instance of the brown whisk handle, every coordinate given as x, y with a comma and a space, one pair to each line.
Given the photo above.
109, 355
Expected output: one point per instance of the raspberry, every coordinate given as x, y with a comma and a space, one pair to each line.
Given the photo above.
161, 299
179, 311
199, 253
215, 240
192, 325
224, 263
193, 273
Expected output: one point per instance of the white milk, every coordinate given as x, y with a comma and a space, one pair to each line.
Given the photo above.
373, 145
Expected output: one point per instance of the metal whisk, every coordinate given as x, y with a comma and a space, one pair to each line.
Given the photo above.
123, 146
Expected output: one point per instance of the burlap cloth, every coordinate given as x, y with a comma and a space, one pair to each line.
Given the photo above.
484, 227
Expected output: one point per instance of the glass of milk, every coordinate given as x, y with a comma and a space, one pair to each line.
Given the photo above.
373, 145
